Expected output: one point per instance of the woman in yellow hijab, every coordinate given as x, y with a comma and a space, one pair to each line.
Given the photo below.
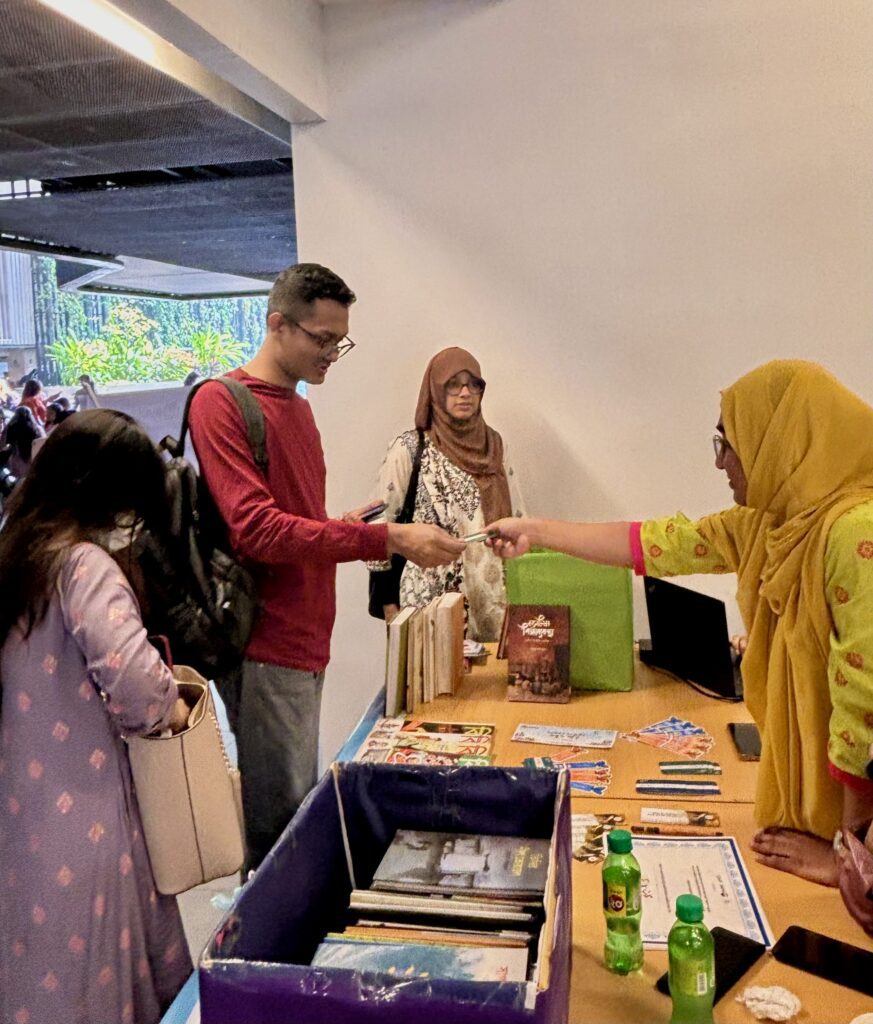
797, 447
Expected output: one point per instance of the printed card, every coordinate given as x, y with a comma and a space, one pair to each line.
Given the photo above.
565, 736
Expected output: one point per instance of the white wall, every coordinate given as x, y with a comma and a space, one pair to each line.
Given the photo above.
619, 206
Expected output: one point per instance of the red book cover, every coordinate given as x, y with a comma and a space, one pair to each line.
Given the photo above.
538, 651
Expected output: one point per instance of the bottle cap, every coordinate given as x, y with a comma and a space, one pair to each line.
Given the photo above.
689, 908
619, 841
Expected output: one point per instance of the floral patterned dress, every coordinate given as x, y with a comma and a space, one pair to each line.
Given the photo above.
448, 497
84, 937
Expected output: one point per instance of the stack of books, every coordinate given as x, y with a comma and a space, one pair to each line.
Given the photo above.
425, 653
446, 905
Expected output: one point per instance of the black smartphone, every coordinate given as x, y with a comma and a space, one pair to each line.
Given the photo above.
374, 512
747, 740
734, 955
826, 958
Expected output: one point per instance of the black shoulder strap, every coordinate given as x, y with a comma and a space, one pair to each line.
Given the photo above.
252, 414
408, 510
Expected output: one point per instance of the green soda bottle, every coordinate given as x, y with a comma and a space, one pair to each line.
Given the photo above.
623, 951
692, 964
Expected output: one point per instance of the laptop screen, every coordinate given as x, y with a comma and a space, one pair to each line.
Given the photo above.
690, 636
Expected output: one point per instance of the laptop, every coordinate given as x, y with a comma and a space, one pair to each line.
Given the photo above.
690, 638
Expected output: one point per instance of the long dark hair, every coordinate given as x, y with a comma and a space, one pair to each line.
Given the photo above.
95, 467
21, 431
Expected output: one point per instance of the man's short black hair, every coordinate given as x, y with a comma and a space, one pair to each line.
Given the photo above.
299, 286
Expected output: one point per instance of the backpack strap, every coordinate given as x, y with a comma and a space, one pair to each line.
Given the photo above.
252, 414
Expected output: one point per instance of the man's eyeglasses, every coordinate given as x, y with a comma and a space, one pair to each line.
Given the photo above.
341, 346
720, 445
475, 385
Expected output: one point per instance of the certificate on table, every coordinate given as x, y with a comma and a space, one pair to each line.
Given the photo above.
711, 868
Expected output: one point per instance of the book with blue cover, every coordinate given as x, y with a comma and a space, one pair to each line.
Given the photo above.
411, 960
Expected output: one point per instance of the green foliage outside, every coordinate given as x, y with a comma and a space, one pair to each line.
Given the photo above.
117, 340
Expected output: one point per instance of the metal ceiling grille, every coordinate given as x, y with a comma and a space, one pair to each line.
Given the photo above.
133, 162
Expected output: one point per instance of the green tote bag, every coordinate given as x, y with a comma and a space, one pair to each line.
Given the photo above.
601, 613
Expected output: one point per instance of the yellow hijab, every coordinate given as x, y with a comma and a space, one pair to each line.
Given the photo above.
806, 445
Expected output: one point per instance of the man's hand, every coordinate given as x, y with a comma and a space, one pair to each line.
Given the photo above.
513, 539
425, 545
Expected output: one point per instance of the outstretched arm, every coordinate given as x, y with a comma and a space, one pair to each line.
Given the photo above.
607, 543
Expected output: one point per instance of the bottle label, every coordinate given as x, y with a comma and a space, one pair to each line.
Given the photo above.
615, 898
693, 977
621, 899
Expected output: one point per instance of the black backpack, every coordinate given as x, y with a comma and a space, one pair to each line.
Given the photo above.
197, 594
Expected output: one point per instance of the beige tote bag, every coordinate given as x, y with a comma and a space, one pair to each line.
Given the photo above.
189, 796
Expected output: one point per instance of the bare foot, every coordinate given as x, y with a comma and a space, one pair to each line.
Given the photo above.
799, 853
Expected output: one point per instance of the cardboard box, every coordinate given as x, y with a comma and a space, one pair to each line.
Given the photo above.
256, 965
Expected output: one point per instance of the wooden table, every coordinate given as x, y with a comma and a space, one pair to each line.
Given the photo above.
482, 698
597, 996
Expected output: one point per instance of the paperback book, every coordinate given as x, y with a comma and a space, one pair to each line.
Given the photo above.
411, 960
537, 647
475, 865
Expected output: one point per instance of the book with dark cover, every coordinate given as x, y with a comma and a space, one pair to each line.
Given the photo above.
537, 647
474, 865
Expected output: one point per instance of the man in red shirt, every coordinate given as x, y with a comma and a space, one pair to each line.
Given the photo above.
279, 526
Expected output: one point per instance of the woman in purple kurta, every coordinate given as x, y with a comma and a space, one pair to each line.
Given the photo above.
84, 937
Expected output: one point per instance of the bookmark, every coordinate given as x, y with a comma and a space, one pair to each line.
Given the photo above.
538, 762
673, 787
690, 768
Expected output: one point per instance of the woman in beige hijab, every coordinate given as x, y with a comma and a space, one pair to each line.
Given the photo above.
465, 481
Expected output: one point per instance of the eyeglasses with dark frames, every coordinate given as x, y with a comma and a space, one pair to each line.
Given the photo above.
475, 385
342, 347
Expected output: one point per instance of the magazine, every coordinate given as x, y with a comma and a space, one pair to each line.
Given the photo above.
414, 741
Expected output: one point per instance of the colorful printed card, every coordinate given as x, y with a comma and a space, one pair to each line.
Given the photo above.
589, 777
675, 735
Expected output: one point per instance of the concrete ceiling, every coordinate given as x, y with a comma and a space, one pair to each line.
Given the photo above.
163, 163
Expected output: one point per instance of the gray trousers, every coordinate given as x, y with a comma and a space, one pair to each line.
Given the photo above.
274, 714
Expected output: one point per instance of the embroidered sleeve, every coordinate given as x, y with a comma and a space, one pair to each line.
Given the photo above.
392, 481
849, 593
102, 614
674, 547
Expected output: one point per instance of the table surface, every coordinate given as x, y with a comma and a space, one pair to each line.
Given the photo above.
482, 698
597, 996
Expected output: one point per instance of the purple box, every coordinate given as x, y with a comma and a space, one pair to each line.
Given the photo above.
256, 967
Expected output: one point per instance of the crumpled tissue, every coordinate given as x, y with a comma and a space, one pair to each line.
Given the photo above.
772, 1003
